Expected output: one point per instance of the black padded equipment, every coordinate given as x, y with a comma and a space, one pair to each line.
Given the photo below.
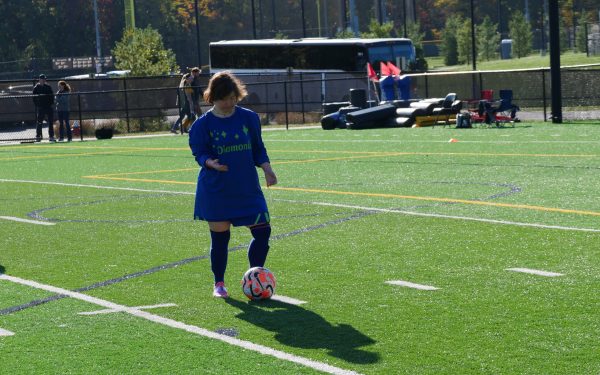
370, 117
358, 98
333, 107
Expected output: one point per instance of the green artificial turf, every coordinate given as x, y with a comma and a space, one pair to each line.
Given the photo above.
352, 210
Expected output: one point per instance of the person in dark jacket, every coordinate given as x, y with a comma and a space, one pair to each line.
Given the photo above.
62, 109
44, 100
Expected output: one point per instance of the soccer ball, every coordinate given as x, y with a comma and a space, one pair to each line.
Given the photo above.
258, 283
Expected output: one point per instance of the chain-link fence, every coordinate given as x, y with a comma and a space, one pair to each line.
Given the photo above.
149, 104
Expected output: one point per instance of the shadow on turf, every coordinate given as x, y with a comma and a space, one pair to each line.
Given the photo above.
301, 328
2, 269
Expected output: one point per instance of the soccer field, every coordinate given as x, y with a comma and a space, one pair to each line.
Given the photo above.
395, 252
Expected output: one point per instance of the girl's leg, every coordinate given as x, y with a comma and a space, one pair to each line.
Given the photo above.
219, 234
61, 119
68, 127
259, 246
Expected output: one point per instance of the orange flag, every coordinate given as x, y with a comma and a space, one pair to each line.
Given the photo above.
384, 70
371, 73
394, 69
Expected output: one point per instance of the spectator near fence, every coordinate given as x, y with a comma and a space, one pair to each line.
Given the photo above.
184, 102
197, 94
62, 109
44, 100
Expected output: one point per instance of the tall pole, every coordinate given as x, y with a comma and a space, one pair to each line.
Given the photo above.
555, 62
253, 20
319, 16
404, 17
343, 18
327, 34
98, 48
273, 16
303, 19
473, 50
197, 34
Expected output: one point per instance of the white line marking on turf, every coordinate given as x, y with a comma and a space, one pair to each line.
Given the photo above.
288, 300
186, 327
535, 272
408, 284
27, 221
4, 332
97, 186
412, 213
108, 311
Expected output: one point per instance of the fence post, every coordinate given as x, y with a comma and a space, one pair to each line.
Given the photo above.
587, 48
80, 118
544, 92
287, 121
426, 86
302, 96
126, 104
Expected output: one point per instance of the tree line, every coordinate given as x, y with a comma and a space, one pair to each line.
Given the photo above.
33, 29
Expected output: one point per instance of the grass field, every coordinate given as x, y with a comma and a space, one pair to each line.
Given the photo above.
533, 61
465, 229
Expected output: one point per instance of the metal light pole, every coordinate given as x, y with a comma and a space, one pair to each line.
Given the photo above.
197, 34
303, 19
473, 50
253, 20
98, 48
404, 17
555, 62
273, 15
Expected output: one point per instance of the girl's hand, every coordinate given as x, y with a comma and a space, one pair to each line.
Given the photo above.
214, 164
270, 176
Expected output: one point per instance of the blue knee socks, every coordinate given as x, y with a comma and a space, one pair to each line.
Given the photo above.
218, 253
259, 246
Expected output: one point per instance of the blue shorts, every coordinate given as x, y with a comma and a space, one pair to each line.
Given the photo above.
244, 221
262, 217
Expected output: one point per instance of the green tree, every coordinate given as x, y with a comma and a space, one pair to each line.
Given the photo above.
521, 35
449, 41
464, 44
581, 38
488, 39
142, 51
414, 33
377, 30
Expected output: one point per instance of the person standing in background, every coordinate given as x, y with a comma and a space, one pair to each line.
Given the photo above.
62, 109
44, 99
197, 94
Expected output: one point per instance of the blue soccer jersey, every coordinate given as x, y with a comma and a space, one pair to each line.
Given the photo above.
236, 141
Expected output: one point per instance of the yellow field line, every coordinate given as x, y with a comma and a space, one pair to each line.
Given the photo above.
445, 200
355, 193
115, 149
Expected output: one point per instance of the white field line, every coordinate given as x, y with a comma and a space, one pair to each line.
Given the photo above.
27, 221
108, 311
413, 213
288, 300
387, 210
186, 327
4, 332
408, 284
388, 140
97, 186
535, 272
